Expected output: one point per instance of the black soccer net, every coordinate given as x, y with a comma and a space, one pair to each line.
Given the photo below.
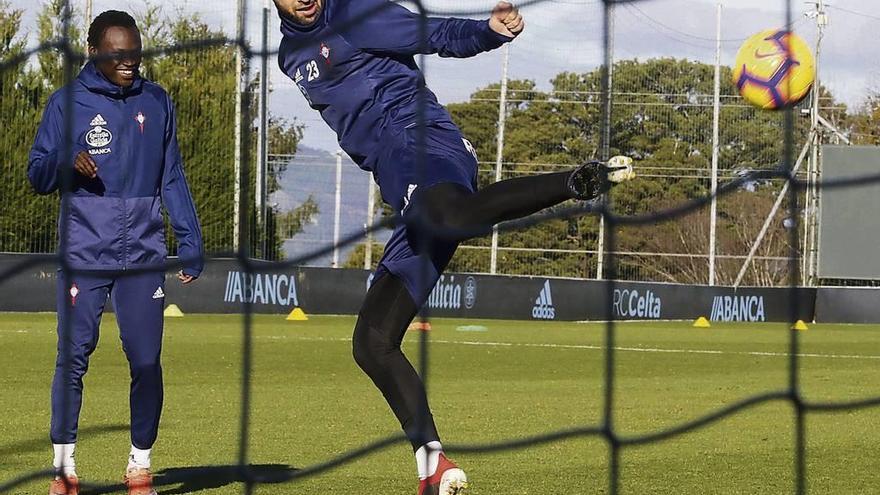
235, 225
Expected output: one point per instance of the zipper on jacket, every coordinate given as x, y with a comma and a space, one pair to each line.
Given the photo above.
124, 162
124, 234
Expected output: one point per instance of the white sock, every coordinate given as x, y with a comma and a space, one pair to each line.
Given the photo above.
427, 459
139, 458
64, 461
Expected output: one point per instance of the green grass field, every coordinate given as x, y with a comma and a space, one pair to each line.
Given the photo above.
310, 403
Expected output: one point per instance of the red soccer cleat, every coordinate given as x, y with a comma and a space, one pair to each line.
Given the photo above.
67, 485
139, 481
448, 480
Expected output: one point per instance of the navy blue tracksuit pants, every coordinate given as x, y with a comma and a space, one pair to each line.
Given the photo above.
138, 302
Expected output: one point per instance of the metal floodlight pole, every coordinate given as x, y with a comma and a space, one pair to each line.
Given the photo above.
499, 154
606, 137
811, 205
260, 198
810, 249
236, 191
713, 210
338, 209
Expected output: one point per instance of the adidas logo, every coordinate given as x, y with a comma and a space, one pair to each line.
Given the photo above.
98, 121
159, 294
544, 309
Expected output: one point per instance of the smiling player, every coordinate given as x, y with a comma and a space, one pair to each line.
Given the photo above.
126, 166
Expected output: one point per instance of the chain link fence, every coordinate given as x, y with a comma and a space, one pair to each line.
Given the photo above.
530, 108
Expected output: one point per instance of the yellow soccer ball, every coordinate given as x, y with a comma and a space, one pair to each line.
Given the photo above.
774, 69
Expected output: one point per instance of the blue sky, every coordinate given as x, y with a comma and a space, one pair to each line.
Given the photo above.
565, 35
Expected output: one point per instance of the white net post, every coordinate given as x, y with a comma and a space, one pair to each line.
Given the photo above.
499, 156
713, 213
371, 214
337, 210
239, 94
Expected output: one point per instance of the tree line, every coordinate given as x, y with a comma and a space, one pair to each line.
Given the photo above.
662, 116
202, 84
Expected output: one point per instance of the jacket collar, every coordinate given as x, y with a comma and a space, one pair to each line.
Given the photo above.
96, 82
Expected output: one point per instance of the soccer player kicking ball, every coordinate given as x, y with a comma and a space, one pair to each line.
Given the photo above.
354, 62
125, 165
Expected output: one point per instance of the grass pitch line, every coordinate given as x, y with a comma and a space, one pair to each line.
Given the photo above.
658, 350
602, 348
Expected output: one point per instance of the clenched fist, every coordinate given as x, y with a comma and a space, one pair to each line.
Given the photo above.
506, 20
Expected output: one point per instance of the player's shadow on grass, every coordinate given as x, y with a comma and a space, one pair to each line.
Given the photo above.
175, 481
194, 479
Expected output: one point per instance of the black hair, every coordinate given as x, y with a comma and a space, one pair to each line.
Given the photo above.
107, 20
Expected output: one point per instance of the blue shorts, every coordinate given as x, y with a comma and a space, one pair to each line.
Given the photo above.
448, 158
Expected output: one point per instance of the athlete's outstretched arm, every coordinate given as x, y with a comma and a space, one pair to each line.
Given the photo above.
386, 27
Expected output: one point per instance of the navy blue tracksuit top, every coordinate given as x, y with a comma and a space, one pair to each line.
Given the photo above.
356, 65
115, 220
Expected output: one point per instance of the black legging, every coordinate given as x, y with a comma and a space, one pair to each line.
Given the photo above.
389, 308
448, 207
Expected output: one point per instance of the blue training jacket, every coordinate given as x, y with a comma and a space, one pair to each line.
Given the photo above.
115, 220
356, 65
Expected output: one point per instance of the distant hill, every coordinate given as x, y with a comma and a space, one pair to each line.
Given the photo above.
313, 172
